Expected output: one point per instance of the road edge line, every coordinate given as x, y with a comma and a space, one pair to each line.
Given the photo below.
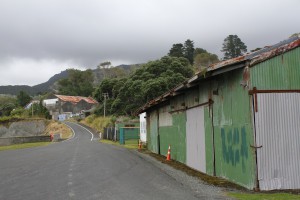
85, 129
72, 131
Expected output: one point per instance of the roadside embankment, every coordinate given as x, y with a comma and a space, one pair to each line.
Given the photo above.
32, 130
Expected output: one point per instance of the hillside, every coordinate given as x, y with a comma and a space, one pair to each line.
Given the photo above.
33, 90
51, 85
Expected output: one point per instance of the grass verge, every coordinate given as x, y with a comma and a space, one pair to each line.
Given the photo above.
260, 196
58, 127
23, 146
129, 144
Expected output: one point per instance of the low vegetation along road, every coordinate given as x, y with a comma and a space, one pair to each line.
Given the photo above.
82, 168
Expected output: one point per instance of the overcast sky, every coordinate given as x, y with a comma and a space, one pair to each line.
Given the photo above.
40, 38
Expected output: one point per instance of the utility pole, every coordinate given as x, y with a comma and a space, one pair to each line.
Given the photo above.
105, 95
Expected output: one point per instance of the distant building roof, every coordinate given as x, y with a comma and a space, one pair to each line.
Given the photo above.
76, 99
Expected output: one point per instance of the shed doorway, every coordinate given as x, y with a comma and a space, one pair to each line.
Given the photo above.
195, 139
277, 125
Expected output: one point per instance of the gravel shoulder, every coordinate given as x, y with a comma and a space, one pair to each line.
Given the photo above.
201, 189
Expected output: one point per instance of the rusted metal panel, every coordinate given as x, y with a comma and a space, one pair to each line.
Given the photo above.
277, 133
195, 139
76, 99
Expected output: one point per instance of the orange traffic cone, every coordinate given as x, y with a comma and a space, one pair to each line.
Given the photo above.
140, 144
169, 153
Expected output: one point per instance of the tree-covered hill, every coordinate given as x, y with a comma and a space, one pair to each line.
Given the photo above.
33, 90
51, 84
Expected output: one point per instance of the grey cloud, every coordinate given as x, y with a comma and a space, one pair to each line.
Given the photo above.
91, 31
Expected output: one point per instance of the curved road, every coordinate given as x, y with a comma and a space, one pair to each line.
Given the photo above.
82, 168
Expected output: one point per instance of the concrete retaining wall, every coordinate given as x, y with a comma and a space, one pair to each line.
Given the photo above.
23, 128
20, 140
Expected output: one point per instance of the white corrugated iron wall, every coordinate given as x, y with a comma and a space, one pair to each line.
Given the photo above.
143, 129
277, 125
195, 139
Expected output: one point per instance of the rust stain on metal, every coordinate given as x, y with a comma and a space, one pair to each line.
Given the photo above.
227, 62
76, 99
246, 74
280, 50
255, 91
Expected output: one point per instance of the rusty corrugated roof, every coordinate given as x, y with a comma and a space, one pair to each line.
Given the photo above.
253, 57
76, 99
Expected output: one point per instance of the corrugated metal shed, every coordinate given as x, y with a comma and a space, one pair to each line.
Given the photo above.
228, 127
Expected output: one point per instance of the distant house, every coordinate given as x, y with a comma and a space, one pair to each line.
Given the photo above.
62, 107
238, 119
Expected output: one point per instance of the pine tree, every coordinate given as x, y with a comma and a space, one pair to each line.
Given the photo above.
233, 47
188, 50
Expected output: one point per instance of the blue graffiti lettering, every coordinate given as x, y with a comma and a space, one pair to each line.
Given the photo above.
235, 151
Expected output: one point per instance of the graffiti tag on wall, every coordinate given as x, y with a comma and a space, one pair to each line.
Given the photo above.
234, 146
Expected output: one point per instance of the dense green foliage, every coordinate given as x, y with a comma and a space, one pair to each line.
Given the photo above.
176, 50
198, 57
233, 47
185, 51
7, 104
188, 50
146, 83
78, 83
203, 60
23, 98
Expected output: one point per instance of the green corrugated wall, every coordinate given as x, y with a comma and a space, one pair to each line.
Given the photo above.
175, 136
280, 72
232, 121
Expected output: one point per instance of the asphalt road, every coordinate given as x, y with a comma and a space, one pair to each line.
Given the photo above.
82, 168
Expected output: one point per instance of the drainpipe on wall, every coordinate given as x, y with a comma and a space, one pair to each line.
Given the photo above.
255, 145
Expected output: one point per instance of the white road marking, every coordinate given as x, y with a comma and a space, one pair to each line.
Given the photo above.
85, 129
72, 131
